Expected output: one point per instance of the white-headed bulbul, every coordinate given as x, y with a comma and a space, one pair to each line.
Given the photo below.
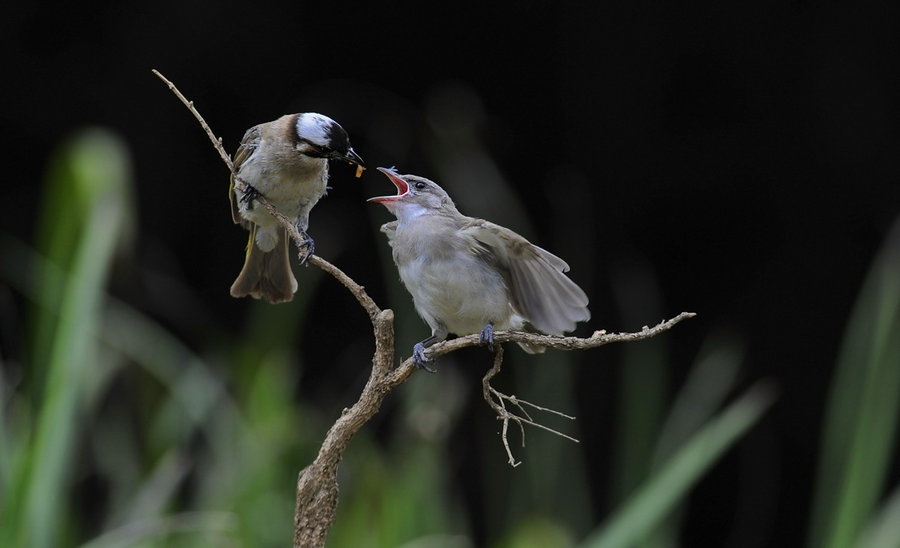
286, 162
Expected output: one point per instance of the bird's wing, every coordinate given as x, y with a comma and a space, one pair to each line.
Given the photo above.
539, 289
248, 146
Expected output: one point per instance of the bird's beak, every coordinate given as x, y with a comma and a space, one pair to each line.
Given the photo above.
402, 187
352, 158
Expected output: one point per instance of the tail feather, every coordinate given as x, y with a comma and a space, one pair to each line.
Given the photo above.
266, 275
531, 348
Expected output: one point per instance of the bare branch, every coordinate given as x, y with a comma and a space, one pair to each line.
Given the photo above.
598, 339
217, 143
317, 486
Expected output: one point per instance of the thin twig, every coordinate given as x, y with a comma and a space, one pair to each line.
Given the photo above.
497, 400
190, 105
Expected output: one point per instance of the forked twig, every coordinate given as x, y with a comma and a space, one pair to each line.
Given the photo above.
497, 400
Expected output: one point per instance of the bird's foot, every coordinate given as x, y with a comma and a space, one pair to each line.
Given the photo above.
487, 337
420, 359
250, 193
308, 244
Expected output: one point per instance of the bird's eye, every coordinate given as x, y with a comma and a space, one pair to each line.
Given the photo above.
420, 185
312, 149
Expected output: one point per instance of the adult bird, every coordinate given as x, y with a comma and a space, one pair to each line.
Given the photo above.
469, 275
286, 162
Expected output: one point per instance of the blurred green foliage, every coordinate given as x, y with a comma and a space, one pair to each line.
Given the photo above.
860, 424
205, 447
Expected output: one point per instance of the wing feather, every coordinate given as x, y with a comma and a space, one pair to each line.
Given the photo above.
249, 144
540, 291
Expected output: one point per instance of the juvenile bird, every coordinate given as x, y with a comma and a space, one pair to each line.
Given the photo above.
286, 162
468, 275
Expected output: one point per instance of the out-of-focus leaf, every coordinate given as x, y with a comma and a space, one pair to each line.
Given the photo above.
883, 529
861, 418
214, 526
673, 480
538, 533
94, 175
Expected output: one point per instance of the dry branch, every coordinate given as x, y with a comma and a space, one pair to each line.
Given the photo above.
317, 486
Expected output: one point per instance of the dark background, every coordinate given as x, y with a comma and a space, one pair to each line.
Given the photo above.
744, 158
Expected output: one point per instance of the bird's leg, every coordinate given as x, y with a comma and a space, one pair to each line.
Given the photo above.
487, 336
309, 243
249, 194
419, 357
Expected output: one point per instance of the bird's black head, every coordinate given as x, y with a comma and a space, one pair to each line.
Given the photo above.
319, 136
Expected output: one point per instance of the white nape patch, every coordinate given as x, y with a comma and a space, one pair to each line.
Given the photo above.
314, 128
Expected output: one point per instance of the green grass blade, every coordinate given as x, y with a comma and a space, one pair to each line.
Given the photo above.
861, 417
98, 166
883, 529
640, 409
652, 502
643, 380
711, 378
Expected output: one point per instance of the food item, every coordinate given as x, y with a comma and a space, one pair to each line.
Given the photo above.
359, 170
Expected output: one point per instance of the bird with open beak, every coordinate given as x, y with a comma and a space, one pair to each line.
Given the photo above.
286, 162
469, 275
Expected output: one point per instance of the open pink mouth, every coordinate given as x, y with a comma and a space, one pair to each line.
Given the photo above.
402, 186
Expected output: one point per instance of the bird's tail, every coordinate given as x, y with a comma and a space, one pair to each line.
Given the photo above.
532, 348
266, 275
